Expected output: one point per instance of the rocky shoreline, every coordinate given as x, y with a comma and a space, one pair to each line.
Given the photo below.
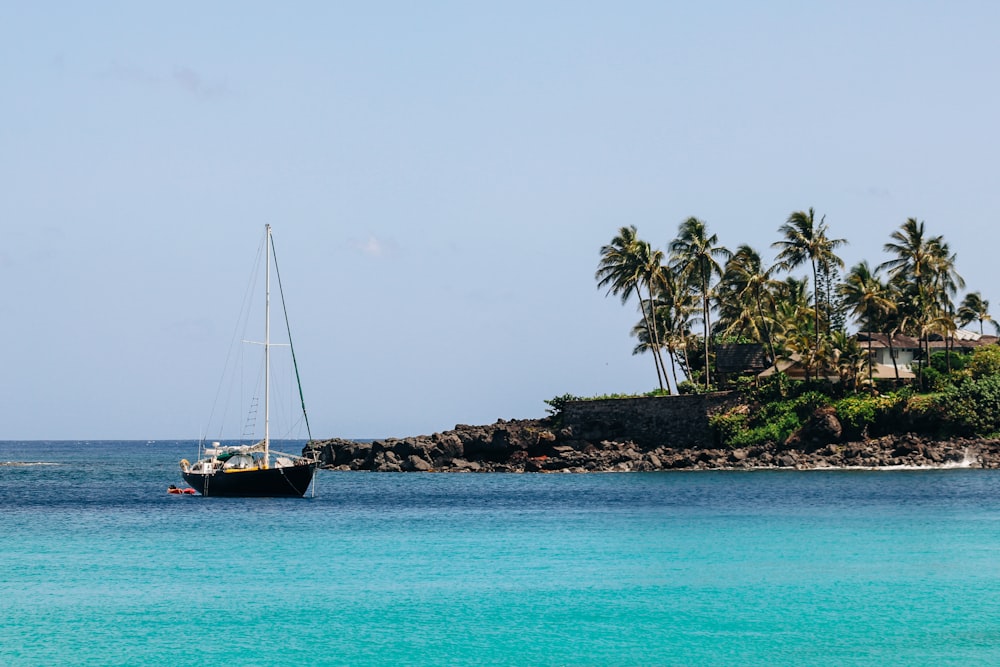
541, 446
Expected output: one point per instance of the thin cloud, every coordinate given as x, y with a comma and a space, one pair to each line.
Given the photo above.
193, 83
131, 75
372, 247
182, 77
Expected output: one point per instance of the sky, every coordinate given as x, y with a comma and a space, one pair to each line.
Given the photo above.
440, 177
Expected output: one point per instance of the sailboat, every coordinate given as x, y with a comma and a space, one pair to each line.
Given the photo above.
255, 470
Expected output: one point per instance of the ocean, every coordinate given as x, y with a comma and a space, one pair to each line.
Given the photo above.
102, 567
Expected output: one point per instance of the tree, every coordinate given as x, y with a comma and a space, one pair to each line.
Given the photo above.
975, 308
806, 240
851, 360
867, 297
745, 288
672, 307
833, 309
667, 316
910, 270
923, 271
693, 256
624, 268
793, 334
945, 283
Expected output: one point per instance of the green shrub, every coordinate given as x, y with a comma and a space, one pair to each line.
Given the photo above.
728, 426
772, 422
984, 361
557, 403
937, 380
973, 406
955, 360
921, 413
857, 412
807, 403
774, 388
875, 414
775, 430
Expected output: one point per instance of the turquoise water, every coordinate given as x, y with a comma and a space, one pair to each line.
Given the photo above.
102, 567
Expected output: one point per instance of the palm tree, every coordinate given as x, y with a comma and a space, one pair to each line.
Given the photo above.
850, 359
944, 277
672, 307
923, 270
624, 267
667, 314
792, 324
693, 256
868, 299
749, 285
975, 308
805, 239
655, 276
911, 268
912, 253
793, 335
945, 283
644, 338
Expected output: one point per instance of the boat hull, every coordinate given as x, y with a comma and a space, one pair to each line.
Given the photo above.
289, 481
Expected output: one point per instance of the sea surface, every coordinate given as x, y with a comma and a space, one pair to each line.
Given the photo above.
100, 566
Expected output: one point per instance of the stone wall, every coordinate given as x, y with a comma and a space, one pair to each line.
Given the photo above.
671, 421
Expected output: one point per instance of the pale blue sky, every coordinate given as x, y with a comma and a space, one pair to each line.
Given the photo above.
440, 177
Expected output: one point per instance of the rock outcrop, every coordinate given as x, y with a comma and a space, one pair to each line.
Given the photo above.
542, 446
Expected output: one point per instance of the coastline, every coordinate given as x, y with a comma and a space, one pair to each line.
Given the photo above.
539, 445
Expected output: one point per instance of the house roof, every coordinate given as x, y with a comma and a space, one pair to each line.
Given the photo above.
793, 368
881, 340
740, 357
961, 338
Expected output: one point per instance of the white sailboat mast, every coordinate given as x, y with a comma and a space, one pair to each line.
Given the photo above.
267, 347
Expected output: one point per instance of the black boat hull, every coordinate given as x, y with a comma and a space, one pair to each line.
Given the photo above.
287, 482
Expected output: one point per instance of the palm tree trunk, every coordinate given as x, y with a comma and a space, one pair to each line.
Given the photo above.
947, 349
829, 302
708, 328
673, 368
923, 355
871, 362
661, 369
650, 331
892, 355
815, 304
687, 357
657, 346
767, 331
655, 341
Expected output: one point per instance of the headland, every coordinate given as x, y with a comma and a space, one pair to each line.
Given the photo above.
544, 445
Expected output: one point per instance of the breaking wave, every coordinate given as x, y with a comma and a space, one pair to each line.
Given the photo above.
25, 464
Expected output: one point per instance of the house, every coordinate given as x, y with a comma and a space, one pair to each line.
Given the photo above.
907, 350
904, 349
892, 359
961, 340
795, 370
733, 359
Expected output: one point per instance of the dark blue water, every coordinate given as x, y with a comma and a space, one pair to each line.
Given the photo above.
102, 566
